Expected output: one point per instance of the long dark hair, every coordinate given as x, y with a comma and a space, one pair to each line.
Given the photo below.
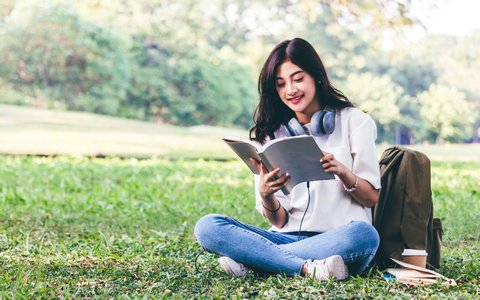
271, 112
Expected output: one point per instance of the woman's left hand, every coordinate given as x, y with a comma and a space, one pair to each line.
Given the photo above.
330, 164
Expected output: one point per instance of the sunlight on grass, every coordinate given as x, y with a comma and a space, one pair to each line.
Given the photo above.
26, 130
34, 131
79, 227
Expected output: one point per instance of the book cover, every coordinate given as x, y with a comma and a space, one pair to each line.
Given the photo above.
415, 275
299, 156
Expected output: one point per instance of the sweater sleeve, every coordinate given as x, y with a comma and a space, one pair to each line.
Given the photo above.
363, 149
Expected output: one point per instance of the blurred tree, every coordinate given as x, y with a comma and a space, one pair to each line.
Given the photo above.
47, 51
6, 7
195, 61
184, 87
183, 59
460, 65
378, 96
444, 60
233, 24
411, 70
410, 126
374, 14
343, 51
446, 112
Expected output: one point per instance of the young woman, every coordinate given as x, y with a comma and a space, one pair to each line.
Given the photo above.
322, 229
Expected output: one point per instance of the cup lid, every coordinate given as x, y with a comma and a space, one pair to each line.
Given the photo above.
410, 252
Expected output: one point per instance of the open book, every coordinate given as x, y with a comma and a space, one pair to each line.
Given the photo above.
299, 156
415, 275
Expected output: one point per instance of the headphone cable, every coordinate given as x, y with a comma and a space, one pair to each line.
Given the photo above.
308, 204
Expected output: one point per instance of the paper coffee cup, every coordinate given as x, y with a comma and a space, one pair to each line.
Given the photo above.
415, 257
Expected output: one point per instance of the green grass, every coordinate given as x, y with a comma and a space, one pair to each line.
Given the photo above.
73, 226
25, 130
80, 227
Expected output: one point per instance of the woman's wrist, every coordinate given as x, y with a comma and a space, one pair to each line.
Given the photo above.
270, 203
353, 187
272, 210
350, 181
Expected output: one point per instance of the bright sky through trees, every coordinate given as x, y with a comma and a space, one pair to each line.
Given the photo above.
456, 17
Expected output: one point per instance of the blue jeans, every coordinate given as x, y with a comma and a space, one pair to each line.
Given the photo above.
286, 253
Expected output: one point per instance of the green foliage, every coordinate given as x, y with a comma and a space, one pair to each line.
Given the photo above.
378, 96
50, 49
8, 94
78, 228
185, 87
195, 62
446, 112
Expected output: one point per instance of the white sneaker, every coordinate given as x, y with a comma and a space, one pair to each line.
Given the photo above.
232, 267
324, 269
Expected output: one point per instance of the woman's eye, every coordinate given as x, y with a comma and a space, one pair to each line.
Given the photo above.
280, 84
299, 79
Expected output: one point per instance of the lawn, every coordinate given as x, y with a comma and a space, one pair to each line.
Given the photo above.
80, 227
25, 130
77, 226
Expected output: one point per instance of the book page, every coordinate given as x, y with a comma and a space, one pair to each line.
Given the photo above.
414, 267
404, 274
244, 149
299, 156
417, 275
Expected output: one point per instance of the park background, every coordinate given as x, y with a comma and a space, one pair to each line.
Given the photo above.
111, 114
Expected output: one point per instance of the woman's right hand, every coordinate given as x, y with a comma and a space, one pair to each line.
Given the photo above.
269, 184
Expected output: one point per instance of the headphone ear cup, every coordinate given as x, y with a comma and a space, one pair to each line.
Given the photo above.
285, 129
295, 128
328, 122
316, 123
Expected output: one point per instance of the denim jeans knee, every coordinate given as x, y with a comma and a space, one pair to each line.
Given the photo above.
205, 228
370, 234
368, 241
226, 236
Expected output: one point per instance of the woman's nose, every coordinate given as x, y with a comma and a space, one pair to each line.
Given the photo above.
291, 89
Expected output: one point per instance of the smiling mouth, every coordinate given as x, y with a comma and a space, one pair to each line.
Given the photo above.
295, 100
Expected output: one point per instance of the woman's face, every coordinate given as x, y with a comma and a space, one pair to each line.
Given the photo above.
297, 90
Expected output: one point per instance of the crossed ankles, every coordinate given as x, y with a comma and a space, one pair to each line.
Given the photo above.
322, 269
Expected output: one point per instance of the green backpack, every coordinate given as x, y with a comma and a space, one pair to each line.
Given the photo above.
403, 215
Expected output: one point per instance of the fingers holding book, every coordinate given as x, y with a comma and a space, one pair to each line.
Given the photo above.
274, 183
270, 182
258, 164
331, 164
